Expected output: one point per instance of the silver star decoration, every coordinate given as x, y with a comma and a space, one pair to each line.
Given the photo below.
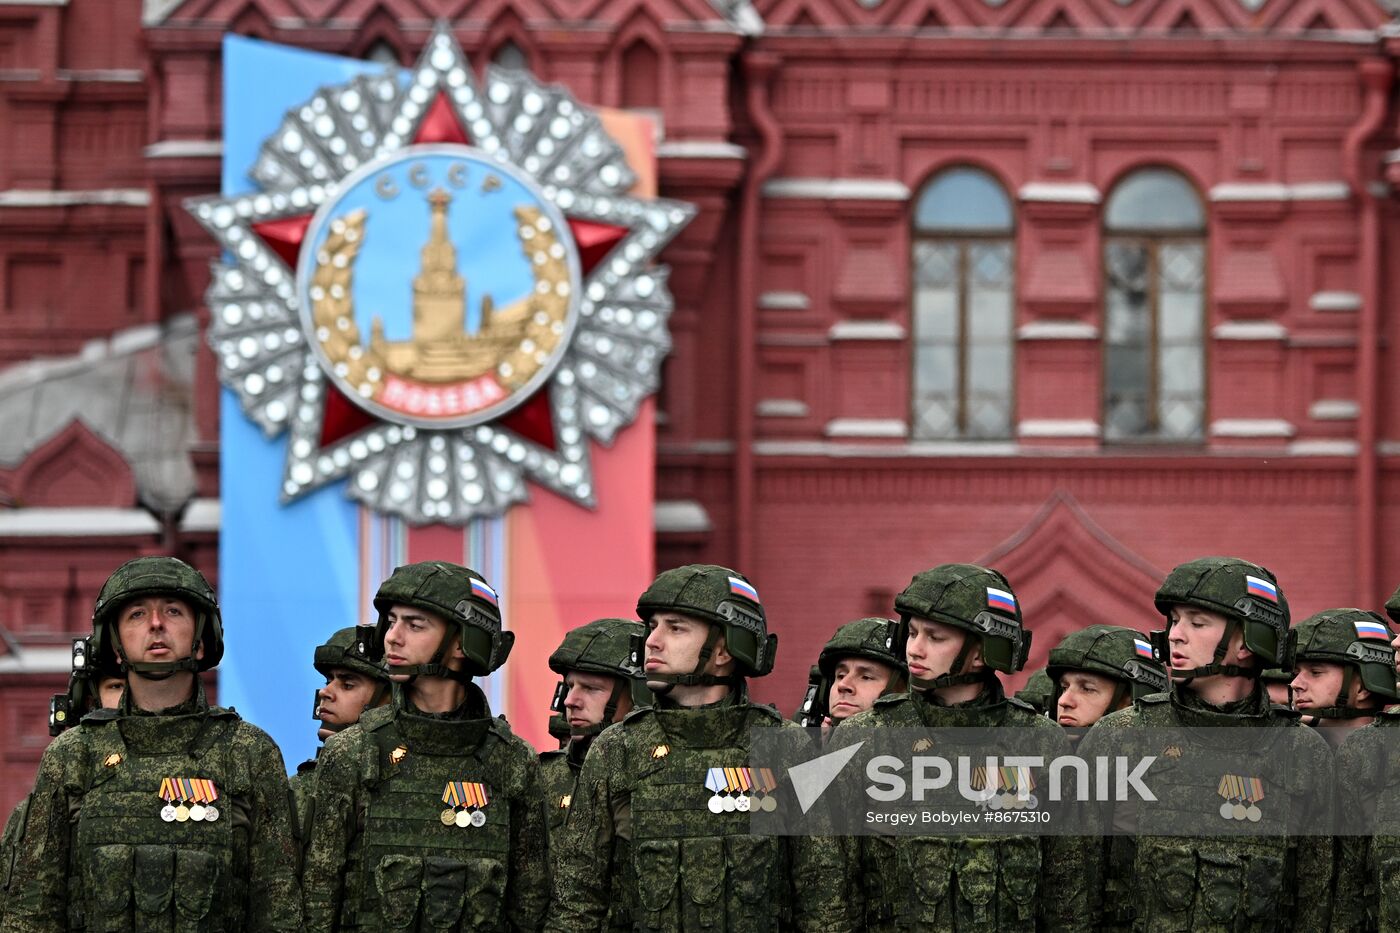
426, 475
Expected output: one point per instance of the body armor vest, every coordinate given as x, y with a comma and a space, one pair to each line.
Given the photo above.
139, 871
558, 780
1240, 883
693, 868
415, 865
951, 884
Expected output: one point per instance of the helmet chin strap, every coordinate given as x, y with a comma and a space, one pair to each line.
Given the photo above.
162, 670
435, 667
1218, 666
952, 679
697, 677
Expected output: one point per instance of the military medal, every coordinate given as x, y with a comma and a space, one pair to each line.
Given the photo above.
465, 800
201, 791
182, 814
398, 754
764, 784
167, 813
1242, 796
714, 780
660, 751
211, 813
170, 792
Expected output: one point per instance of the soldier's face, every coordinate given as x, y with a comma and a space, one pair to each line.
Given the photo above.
345, 696
857, 684
157, 628
109, 692
414, 636
586, 699
1316, 684
1084, 698
674, 643
1194, 635
933, 648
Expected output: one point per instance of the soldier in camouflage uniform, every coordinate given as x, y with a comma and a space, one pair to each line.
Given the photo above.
1227, 620
1344, 671
1037, 692
354, 684
858, 664
649, 824
962, 629
601, 684
1098, 670
162, 812
1368, 775
428, 813
95, 683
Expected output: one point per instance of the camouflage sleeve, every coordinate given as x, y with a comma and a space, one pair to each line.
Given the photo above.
275, 897
1315, 860
582, 877
38, 896
328, 841
528, 893
300, 785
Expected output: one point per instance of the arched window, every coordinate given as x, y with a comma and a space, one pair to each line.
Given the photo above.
509, 55
964, 302
1154, 315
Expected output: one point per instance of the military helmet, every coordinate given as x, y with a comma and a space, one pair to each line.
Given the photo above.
1246, 594
1360, 642
463, 599
88, 670
603, 646
977, 600
728, 601
874, 639
1113, 651
348, 648
1037, 691
159, 576
1392, 606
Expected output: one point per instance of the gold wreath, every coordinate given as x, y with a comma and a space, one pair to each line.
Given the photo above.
532, 328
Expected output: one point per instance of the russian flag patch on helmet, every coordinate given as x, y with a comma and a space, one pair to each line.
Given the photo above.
1369, 628
743, 588
1000, 599
482, 590
1144, 650
1257, 586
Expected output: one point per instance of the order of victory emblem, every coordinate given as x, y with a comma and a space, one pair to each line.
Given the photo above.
440, 289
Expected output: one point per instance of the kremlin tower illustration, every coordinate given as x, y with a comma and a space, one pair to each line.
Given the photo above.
441, 349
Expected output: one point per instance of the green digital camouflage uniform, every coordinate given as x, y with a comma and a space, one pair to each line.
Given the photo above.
1152, 882
603, 647
96, 851
65, 709
962, 883
347, 649
1367, 896
385, 851
641, 829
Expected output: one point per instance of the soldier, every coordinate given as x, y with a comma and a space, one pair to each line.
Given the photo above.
354, 684
1227, 620
858, 665
1344, 671
1368, 775
1037, 692
649, 825
428, 812
165, 810
601, 685
95, 683
962, 629
1098, 670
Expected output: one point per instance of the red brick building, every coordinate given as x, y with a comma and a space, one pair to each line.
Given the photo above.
1080, 288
